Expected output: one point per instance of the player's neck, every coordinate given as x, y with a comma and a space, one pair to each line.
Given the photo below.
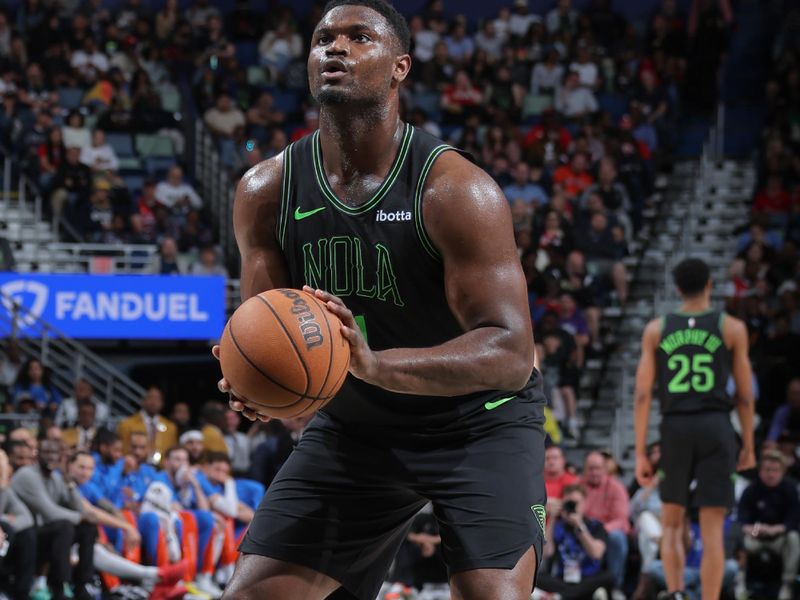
695, 305
360, 143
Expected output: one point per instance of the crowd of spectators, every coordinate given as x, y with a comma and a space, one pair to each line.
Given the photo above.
155, 505
91, 111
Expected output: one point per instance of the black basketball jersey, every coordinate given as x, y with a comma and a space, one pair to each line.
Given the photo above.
693, 363
379, 259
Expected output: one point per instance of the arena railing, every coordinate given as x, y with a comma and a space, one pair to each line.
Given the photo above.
102, 258
67, 359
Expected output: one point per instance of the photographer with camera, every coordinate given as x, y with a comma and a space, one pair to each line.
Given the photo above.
574, 550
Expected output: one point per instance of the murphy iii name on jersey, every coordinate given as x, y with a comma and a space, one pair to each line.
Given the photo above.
337, 264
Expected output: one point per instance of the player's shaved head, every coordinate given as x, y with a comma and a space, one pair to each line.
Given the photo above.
691, 276
396, 21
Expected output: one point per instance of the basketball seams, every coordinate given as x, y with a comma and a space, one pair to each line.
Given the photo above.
260, 372
280, 322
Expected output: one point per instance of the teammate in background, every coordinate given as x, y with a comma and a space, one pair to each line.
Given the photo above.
692, 352
443, 402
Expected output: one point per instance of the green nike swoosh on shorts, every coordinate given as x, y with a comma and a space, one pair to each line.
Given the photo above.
495, 403
300, 215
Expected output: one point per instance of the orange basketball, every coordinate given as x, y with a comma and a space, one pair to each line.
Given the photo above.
283, 353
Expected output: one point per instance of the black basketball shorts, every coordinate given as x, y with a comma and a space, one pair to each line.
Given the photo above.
344, 501
700, 448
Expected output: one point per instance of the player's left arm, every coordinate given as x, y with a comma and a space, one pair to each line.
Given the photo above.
469, 221
736, 338
643, 398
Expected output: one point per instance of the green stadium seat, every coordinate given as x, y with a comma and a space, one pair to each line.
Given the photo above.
257, 76
533, 105
153, 145
170, 98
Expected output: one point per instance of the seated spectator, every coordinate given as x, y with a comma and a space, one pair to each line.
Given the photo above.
71, 186
99, 156
67, 413
612, 191
34, 380
547, 75
774, 202
161, 432
607, 501
212, 424
555, 237
208, 263
646, 513
62, 519
137, 474
604, 247
238, 444
89, 62
461, 100
224, 118
175, 194
521, 19
224, 492
82, 435
556, 476
263, 113
279, 47
786, 420
575, 547
51, 155
562, 18
181, 415
572, 321
460, 46
95, 224
20, 454
192, 442
489, 41
558, 353
18, 563
523, 188
769, 511
574, 100
74, 133
310, 125
574, 178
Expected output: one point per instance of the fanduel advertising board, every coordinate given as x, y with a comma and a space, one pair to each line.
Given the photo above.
117, 306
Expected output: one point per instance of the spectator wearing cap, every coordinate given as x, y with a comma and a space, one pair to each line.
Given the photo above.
608, 502
71, 188
769, 511
192, 442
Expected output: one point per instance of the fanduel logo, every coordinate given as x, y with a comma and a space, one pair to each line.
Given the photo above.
400, 215
17, 292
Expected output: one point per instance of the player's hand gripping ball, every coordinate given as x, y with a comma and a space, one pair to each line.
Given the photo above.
283, 354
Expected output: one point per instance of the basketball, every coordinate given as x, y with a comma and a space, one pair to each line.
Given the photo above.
283, 353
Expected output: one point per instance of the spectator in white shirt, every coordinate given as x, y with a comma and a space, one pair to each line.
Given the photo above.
425, 39
99, 156
67, 413
238, 444
547, 75
490, 41
75, 135
279, 47
521, 20
174, 193
225, 117
588, 74
502, 24
89, 62
573, 100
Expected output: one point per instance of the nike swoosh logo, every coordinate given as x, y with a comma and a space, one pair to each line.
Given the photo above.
494, 404
299, 215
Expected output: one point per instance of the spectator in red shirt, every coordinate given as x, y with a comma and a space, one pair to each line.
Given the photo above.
311, 124
574, 177
461, 99
607, 501
548, 140
556, 476
774, 201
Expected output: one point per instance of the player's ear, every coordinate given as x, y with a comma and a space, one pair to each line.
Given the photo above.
402, 66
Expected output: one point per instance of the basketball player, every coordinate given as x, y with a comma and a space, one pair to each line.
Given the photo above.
442, 402
693, 352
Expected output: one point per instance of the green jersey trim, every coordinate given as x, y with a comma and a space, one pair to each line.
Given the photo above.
699, 313
424, 239
721, 322
286, 196
327, 191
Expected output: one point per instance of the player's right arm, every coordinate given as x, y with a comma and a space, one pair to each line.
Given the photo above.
736, 338
643, 397
256, 206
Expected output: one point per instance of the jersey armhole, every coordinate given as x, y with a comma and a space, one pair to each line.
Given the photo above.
422, 233
285, 199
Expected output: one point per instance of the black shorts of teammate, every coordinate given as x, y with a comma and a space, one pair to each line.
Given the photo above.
700, 447
345, 499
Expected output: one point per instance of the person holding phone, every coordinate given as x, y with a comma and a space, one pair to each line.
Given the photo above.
574, 549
